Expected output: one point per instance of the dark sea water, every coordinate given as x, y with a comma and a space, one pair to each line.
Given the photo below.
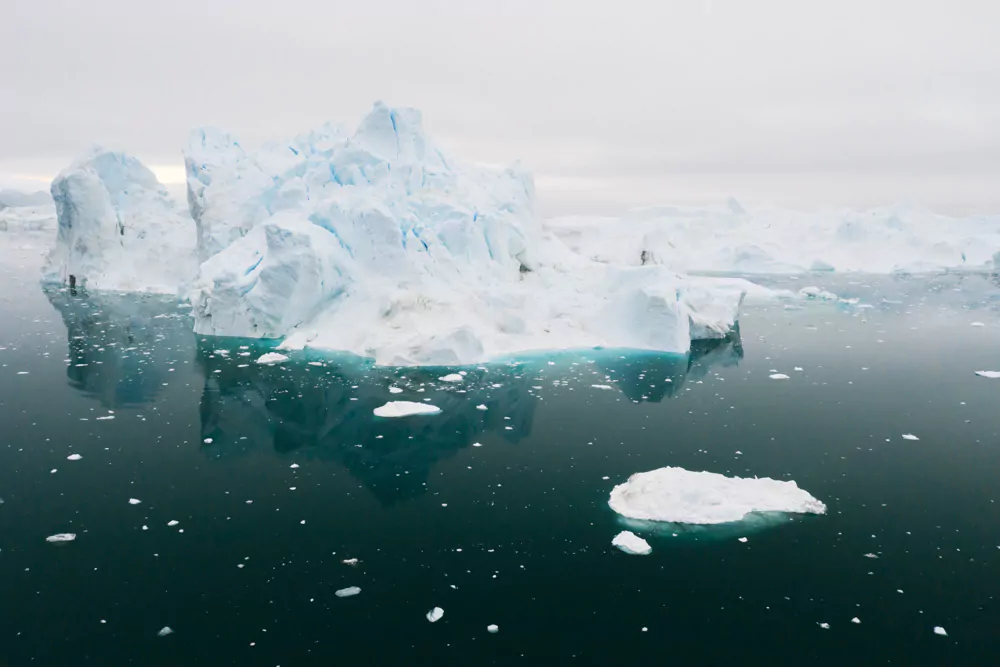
278, 474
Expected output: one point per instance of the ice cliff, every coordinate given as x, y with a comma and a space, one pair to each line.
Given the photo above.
118, 228
379, 244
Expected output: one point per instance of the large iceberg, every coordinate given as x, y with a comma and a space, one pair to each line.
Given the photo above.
379, 244
375, 243
676, 495
118, 228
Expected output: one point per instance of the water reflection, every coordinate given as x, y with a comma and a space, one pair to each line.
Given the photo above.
124, 350
121, 348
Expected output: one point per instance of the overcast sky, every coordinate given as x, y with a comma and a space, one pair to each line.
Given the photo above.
612, 103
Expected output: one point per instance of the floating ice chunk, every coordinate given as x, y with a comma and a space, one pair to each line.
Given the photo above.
601, 386
405, 409
61, 537
813, 292
743, 539
632, 544
778, 376
856, 620
683, 496
435, 614
910, 436
481, 407
350, 561
173, 522
993, 375
73, 457
272, 358
347, 592
451, 377
938, 630
134, 501
797, 369
977, 324
395, 390
164, 631
492, 629
825, 626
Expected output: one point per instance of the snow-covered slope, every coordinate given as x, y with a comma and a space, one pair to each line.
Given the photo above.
118, 228
729, 239
381, 245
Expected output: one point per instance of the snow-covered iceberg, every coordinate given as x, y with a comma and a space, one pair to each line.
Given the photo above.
118, 228
677, 495
379, 244
732, 239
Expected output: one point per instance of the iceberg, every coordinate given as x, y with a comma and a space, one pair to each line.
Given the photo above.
676, 495
632, 544
379, 244
394, 409
736, 239
374, 243
118, 228
992, 375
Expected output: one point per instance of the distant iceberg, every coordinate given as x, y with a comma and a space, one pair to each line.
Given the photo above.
677, 495
733, 239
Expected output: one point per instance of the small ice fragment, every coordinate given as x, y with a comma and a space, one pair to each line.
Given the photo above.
492, 629
938, 630
73, 457
632, 544
435, 614
910, 436
476, 444
797, 368
207, 441
272, 358
825, 626
870, 556
601, 386
742, 539
134, 501
976, 324
294, 466
61, 537
395, 390
172, 522
350, 561
481, 407
778, 376
992, 375
405, 409
451, 377
166, 630
856, 620
347, 592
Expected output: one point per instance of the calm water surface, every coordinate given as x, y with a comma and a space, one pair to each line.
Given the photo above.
276, 475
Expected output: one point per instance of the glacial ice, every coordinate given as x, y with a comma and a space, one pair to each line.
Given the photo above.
992, 375
677, 495
61, 537
632, 544
405, 409
734, 239
378, 244
118, 228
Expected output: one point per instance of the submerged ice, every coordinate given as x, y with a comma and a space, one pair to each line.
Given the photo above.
677, 495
